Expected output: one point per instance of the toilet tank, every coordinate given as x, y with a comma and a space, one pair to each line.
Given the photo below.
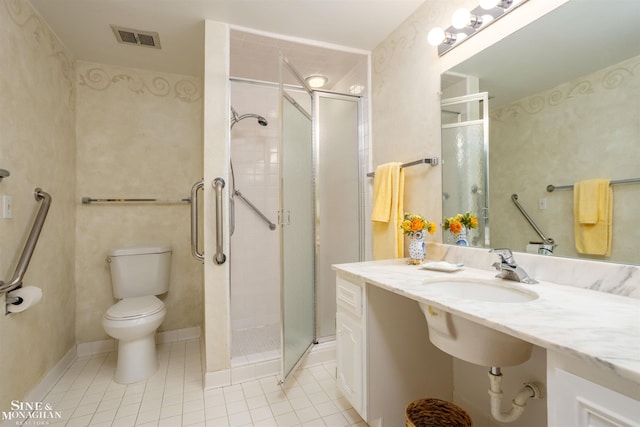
140, 271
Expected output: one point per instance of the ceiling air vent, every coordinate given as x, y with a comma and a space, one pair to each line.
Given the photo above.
137, 37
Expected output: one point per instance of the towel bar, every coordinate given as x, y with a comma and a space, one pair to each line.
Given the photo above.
552, 187
433, 161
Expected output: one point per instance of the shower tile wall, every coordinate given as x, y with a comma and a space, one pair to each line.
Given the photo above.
255, 260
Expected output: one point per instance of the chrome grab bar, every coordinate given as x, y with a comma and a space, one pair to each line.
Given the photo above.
545, 239
271, 225
23, 262
194, 220
219, 258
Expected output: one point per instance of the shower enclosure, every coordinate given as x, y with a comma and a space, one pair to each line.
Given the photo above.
300, 171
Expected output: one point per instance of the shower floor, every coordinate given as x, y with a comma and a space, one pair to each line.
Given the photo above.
255, 345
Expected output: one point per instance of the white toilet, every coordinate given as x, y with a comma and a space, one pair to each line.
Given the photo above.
137, 275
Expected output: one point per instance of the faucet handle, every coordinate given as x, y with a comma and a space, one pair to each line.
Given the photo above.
505, 254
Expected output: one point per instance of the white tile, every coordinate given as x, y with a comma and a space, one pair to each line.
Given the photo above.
191, 418
287, 420
336, 420
240, 419
237, 407
261, 413
307, 414
214, 412
170, 422
175, 396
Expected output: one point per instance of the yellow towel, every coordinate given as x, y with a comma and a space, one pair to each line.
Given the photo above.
388, 210
592, 211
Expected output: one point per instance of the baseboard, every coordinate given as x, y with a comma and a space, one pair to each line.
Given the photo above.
38, 393
320, 353
105, 346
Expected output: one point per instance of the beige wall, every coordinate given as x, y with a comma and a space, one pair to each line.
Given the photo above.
139, 135
216, 149
37, 139
406, 104
564, 135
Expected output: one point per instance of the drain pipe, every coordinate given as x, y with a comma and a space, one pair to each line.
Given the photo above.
528, 391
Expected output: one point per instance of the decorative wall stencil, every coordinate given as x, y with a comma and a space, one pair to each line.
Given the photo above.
23, 15
610, 78
140, 82
409, 41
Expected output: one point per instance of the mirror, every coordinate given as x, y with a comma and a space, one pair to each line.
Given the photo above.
563, 107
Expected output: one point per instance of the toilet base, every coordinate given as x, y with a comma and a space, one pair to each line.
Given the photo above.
137, 360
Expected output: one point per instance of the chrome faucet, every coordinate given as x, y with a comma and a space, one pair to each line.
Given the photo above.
508, 269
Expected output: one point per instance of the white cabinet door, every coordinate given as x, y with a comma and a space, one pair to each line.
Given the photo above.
349, 359
577, 402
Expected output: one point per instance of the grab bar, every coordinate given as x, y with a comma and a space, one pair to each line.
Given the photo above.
271, 225
89, 200
23, 263
219, 258
545, 239
194, 220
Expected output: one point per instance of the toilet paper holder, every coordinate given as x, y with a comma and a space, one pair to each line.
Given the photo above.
29, 247
12, 301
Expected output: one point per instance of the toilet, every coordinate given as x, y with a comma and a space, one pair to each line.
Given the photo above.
137, 276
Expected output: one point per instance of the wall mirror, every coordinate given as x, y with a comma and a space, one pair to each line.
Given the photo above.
564, 106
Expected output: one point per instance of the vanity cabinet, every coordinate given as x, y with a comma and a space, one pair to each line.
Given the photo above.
580, 396
384, 358
350, 325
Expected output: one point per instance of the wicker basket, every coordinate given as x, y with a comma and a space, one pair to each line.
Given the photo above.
435, 413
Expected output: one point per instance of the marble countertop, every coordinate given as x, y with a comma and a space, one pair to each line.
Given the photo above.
601, 329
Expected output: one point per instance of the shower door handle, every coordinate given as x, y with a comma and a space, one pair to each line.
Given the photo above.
194, 220
219, 258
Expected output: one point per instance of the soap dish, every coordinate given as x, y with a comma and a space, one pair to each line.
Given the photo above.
441, 266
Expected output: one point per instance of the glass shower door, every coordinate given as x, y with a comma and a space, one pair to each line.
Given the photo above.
297, 219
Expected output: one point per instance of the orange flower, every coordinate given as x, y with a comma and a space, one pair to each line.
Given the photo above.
455, 227
417, 224
474, 222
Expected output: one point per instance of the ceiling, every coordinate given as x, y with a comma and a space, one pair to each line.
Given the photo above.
84, 28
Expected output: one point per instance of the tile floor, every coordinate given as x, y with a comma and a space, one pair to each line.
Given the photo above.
87, 396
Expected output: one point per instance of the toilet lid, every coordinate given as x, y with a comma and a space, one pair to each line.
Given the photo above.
135, 307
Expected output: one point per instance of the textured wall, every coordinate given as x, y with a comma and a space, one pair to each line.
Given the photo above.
583, 129
139, 134
405, 105
37, 139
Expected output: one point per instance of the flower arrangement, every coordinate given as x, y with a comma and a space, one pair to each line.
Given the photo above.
455, 223
414, 222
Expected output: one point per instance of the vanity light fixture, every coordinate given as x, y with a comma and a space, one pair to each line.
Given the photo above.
490, 4
316, 81
463, 18
465, 23
438, 36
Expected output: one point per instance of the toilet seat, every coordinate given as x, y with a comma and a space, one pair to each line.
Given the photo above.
133, 308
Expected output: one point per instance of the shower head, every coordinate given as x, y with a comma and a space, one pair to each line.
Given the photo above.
235, 118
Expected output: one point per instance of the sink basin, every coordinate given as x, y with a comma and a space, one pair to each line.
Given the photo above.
481, 290
470, 341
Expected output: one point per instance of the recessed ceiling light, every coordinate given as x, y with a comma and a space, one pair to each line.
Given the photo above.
316, 80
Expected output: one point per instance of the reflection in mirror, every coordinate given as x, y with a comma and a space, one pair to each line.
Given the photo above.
564, 108
465, 126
